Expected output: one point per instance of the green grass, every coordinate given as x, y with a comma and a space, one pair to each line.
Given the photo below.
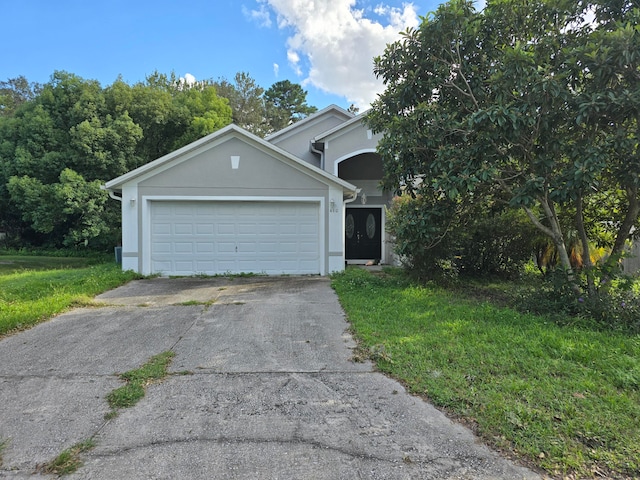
566, 398
33, 289
133, 391
20, 263
69, 460
3, 445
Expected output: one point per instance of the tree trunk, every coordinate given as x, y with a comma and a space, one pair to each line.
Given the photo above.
586, 254
627, 224
555, 233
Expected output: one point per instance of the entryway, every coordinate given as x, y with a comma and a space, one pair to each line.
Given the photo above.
363, 233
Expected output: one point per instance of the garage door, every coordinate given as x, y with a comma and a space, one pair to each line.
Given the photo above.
190, 238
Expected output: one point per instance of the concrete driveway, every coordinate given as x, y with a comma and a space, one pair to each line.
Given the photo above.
271, 392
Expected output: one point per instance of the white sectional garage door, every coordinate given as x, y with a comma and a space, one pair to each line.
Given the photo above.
206, 237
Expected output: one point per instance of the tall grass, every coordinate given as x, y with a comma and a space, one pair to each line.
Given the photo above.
566, 398
28, 297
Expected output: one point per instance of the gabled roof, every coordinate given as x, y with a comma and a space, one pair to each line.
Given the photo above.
314, 117
215, 138
358, 119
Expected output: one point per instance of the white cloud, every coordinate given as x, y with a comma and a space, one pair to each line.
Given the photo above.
188, 80
276, 69
261, 15
338, 43
294, 61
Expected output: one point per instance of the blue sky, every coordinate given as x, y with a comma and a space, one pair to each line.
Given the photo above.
325, 45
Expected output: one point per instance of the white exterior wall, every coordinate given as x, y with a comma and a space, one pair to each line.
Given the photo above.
336, 210
130, 231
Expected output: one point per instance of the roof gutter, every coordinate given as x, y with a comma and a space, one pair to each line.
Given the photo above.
355, 195
111, 193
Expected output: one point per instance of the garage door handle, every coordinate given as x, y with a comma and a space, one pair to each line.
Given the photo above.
236, 248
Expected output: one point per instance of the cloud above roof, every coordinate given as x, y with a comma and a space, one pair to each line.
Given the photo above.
332, 43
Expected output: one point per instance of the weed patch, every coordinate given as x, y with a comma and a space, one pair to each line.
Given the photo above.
69, 460
189, 303
137, 380
3, 445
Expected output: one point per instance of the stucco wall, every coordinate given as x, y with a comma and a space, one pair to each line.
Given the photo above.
209, 176
297, 141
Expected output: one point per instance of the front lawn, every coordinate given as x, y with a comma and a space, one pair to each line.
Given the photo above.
565, 398
33, 289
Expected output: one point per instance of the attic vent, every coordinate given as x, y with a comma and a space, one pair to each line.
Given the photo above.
235, 161
369, 134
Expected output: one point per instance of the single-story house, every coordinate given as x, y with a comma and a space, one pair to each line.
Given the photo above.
304, 200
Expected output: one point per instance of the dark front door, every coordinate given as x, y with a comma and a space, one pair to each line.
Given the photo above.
363, 233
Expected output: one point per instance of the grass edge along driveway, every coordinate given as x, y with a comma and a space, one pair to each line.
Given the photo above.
49, 286
563, 398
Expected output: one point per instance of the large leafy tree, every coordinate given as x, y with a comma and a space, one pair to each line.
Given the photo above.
246, 100
59, 146
14, 92
508, 99
263, 112
286, 103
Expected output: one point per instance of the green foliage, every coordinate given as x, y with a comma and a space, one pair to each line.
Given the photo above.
422, 230
60, 141
14, 92
495, 243
72, 208
70, 136
69, 460
133, 391
564, 397
285, 104
440, 237
527, 98
245, 98
613, 305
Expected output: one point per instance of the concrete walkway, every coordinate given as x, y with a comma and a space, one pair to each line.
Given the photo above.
261, 387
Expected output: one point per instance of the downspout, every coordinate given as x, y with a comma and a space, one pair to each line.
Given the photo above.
318, 151
355, 195
114, 196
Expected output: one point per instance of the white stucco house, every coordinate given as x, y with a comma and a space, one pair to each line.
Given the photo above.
304, 200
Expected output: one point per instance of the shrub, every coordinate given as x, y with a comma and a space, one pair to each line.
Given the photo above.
422, 229
439, 237
495, 243
613, 305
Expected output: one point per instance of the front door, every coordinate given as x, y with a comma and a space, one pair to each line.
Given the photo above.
363, 233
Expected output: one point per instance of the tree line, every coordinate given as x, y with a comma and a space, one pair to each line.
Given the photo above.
60, 141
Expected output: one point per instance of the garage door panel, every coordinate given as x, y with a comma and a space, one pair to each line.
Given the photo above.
205, 247
161, 247
220, 237
183, 229
267, 247
308, 247
161, 228
204, 228
288, 228
182, 247
205, 266
225, 228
